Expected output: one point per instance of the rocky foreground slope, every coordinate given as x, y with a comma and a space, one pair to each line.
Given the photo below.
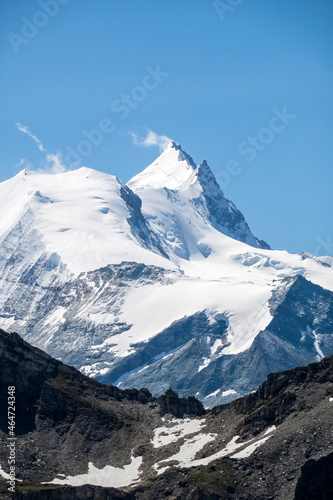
78, 438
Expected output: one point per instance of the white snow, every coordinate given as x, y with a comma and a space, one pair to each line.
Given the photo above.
270, 430
230, 448
116, 477
103, 371
56, 317
128, 374
186, 297
321, 355
215, 346
250, 449
228, 392
187, 452
179, 428
186, 455
212, 394
4, 474
168, 171
101, 318
80, 215
205, 363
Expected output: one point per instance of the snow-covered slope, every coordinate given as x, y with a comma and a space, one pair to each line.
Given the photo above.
89, 219
158, 283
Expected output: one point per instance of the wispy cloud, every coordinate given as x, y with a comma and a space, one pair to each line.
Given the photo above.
150, 139
25, 130
53, 163
20, 163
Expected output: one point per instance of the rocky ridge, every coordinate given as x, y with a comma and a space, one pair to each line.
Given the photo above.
273, 444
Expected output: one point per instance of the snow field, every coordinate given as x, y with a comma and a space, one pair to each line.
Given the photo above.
115, 477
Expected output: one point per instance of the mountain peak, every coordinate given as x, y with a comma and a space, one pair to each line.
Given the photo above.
171, 170
27, 171
182, 155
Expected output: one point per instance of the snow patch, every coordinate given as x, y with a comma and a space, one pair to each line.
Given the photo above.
115, 477
228, 392
187, 452
251, 448
270, 430
186, 455
180, 428
212, 394
320, 355
4, 474
215, 346
56, 317
205, 363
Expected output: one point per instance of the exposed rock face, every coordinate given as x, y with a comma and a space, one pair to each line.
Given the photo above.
316, 481
85, 492
171, 403
302, 315
221, 212
80, 419
27, 369
284, 450
279, 400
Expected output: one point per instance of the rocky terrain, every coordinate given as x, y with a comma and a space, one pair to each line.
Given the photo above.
78, 438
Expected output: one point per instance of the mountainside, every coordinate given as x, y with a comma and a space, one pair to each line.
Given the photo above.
158, 283
176, 193
77, 438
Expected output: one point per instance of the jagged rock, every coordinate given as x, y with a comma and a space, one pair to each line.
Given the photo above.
86, 492
171, 403
77, 420
316, 480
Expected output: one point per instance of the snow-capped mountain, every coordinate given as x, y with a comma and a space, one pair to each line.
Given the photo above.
159, 283
185, 204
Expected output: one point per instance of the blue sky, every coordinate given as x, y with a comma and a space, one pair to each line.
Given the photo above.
245, 84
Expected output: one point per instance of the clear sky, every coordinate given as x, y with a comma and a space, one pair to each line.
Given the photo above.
246, 84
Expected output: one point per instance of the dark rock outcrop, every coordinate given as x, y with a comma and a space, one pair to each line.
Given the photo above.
316, 481
85, 492
279, 395
171, 403
76, 421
